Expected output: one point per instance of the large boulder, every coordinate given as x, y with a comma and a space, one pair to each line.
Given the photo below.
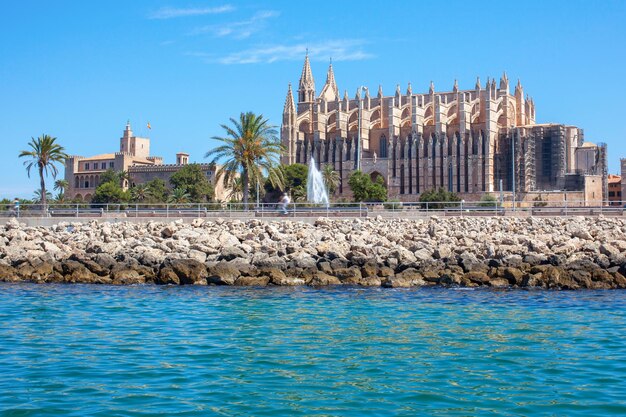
322, 279
410, 277
223, 273
189, 271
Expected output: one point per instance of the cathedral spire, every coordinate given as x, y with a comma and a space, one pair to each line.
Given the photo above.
290, 107
455, 87
380, 91
306, 88
431, 89
477, 86
504, 82
409, 89
330, 91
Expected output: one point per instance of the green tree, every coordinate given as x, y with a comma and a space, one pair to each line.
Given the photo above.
110, 192
488, 200
37, 196
157, 190
295, 180
250, 149
331, 179
439, 198
61, 185
179, 196
60, 197
295, 176
109, 176
235, 189
194, 182
44, 153
139, 193
364, 189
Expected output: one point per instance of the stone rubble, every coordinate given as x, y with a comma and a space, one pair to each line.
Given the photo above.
555, 253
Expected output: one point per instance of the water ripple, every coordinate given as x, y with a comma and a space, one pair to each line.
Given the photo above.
144, 350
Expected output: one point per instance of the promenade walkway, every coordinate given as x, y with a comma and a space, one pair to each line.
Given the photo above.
138, 213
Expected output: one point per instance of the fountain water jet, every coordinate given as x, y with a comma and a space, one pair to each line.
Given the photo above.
315, 187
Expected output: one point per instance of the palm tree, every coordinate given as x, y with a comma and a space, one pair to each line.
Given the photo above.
60, 197
140, 192
331, 178
61, 186
179, 196
37, 197
250, 148
44, 154
236, 189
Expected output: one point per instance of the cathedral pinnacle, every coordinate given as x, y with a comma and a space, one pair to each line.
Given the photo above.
409, 90
306, 88
477, 86
306, 79
504, 82
330, 91
380, 91
455, 87
290, 106
431, 90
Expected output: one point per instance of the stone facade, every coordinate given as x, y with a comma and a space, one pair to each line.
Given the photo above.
83, 173
466, 141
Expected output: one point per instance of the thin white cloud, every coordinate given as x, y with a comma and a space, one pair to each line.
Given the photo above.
172, 12
239, 30
338, 50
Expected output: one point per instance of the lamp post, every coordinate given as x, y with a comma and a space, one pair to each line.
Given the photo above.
358, 135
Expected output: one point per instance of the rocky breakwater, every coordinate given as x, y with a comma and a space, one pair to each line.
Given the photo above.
559, 253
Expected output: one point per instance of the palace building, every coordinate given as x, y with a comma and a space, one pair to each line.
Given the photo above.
83, 173
471, 142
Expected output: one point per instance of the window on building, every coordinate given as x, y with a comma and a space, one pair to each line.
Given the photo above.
383, 147
611, 193
86, 184
111, 165
86, 166
103, 165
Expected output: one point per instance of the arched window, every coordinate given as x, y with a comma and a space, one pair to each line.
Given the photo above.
383, 147
76, 182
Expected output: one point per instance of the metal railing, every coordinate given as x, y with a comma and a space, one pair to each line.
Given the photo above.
392, 208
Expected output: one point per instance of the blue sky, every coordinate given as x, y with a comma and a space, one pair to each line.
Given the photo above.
78, 70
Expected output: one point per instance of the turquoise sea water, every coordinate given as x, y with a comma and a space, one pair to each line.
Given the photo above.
195, 351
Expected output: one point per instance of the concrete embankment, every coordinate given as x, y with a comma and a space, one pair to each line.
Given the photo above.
563, 253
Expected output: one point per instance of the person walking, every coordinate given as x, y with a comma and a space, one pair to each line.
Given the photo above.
16, 207
284, 202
